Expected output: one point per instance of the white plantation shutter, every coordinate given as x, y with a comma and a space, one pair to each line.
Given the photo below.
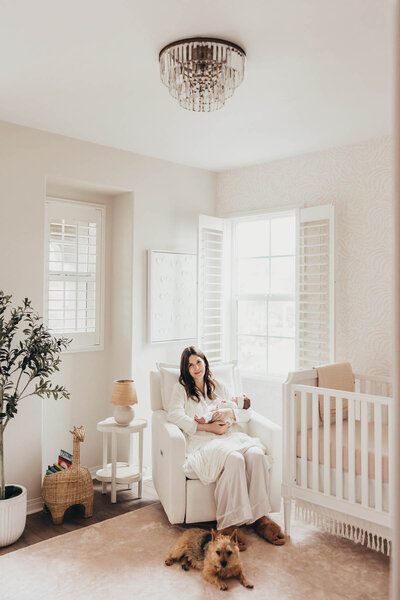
315, 287
74, 271
211, 287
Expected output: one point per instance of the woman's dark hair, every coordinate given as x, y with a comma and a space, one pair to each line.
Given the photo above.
187, 380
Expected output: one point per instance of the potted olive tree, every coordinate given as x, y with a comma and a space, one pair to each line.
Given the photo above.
29, 355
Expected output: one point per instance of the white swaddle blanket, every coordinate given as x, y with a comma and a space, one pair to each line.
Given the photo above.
207, 452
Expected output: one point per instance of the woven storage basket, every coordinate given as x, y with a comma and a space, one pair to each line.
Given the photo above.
71, 486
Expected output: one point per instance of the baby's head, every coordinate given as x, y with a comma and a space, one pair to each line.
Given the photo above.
242, 401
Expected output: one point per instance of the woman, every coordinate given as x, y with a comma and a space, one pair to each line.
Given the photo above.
216, 452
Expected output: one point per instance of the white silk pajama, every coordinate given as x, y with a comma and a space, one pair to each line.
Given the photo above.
242, 489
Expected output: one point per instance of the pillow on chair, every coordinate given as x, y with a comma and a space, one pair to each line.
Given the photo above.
169, 375
228, 373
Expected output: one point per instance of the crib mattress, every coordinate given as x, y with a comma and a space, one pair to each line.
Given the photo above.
345, 452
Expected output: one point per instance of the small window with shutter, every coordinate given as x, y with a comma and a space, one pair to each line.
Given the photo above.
74, 272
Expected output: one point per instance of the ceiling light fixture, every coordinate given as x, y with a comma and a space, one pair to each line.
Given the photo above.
201, 73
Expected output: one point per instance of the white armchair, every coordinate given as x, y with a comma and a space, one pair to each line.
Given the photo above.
188, 500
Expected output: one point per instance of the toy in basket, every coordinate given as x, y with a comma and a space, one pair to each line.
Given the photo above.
70, 486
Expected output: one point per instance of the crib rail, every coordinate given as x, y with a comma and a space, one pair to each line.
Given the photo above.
343, 456
367, 384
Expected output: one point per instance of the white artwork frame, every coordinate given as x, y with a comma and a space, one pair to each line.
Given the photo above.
172, 296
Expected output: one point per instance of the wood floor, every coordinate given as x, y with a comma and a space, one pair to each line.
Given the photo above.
39, 526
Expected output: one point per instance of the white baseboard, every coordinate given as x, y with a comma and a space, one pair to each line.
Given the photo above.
35, 504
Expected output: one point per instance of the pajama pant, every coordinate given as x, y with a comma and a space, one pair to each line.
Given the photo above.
242, 489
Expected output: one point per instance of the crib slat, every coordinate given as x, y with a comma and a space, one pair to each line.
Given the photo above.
327, 445
364, 453
304, 439
358, 387
351, 449
370, 388
378, 455
391, 441
293, 436
339, 447
315, 453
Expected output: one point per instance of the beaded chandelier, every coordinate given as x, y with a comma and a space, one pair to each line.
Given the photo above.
201, 73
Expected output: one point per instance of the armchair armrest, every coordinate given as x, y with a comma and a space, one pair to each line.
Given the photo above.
270, 434
169, 453
261, 427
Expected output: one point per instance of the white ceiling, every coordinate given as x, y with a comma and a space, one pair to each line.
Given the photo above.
318, 75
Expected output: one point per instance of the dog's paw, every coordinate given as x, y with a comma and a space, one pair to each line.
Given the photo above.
169, 562
246, 583
223, 587
185, 567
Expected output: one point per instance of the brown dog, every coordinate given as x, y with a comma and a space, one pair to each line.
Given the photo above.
215, 554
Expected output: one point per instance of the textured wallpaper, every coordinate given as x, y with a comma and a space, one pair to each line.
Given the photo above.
358, 180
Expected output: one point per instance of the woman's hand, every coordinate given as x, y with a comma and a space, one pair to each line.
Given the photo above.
218, 427
223, 413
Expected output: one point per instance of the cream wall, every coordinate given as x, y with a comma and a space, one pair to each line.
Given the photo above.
358, 180
150, 204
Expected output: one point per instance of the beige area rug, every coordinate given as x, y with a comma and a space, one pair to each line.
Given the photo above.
124, 558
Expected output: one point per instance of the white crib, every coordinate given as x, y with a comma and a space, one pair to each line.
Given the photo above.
348, 494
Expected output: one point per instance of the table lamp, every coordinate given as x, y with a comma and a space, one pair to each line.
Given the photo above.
123, 396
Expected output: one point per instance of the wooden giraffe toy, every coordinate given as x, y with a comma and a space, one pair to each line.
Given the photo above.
71, 486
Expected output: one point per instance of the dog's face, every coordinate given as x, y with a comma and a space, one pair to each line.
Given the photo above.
223, 551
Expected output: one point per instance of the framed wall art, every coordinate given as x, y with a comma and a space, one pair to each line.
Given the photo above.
172, 296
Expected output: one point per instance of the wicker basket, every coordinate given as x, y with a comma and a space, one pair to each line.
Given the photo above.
71, 486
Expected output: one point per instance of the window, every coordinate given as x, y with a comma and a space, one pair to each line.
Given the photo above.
263, 285
266, 290
74, 277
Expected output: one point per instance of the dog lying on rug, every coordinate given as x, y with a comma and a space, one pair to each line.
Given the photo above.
214, 554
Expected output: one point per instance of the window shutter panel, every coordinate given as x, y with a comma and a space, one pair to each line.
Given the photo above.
315, 287
211, 243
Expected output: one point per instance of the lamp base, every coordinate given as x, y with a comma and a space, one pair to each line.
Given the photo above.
123, 415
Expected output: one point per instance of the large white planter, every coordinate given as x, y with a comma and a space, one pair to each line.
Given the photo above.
12, 517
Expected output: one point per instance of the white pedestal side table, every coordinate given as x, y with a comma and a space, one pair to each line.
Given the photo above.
121, 472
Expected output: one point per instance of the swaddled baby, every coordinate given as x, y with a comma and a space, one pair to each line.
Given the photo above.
241, 401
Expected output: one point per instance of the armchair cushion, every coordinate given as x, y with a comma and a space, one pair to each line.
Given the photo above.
169, 375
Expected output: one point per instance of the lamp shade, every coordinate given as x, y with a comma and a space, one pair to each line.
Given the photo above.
124, 392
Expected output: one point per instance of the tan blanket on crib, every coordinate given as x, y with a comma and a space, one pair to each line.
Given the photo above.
345, 455
337, 376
